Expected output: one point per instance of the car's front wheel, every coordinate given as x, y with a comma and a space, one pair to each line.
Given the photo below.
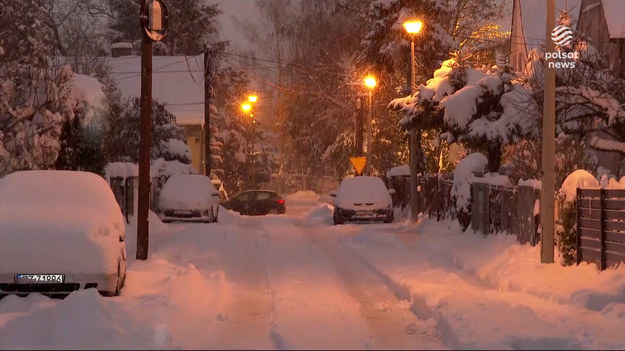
336, 217
390, 218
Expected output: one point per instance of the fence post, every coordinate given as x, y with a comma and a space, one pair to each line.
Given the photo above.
602, 229
578, 237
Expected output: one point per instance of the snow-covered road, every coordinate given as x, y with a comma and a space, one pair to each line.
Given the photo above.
296, 281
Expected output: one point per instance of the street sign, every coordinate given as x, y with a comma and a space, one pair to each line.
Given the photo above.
154, 19
359, 164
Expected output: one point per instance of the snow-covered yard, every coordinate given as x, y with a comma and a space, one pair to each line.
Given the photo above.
297, 281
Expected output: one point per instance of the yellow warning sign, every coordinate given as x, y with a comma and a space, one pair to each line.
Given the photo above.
358, 163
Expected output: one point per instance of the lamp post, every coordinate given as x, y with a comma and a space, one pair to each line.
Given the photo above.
370, 83
414, 145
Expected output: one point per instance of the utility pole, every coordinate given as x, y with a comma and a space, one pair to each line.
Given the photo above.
145, 131
548, 157
359, 126
207, 111
154, 19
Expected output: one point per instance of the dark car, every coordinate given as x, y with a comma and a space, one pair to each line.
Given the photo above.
256, 202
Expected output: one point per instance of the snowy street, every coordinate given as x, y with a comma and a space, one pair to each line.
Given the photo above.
296, 281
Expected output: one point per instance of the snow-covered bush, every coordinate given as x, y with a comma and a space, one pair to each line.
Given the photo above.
566, 230
464, 174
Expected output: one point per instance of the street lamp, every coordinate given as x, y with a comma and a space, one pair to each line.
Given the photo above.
246, 107
413, 28
370, 83
252, 98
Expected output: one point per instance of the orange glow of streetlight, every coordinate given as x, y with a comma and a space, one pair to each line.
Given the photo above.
252, 98
413, 27
246, 107
370, 82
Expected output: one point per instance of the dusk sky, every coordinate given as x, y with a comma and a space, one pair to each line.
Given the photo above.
241, 10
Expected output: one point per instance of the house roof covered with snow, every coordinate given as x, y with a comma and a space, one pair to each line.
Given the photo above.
177, 82
534, 18
614, 11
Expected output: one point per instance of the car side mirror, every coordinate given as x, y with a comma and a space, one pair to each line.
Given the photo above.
333, 193
391, 191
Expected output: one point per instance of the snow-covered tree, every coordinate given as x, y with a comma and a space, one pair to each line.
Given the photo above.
35, 96
122, 139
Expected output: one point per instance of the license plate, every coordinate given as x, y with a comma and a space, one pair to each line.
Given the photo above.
364, 213
39, 278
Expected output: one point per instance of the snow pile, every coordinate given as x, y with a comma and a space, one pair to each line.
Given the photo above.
83, 320
464, 175
50, 220
176, 149
577, 179
121, 169
403, 170
160, 168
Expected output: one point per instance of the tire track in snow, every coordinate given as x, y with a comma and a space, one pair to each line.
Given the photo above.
394, 327
418, 306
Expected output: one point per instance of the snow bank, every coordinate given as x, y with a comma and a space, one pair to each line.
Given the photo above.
83, 320
578, 179
50, 220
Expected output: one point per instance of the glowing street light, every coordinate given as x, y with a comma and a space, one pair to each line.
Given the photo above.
246, 107
413, 28
252, 98
370, 82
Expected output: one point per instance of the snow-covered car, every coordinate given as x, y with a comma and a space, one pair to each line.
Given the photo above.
188, 197
60, 231
362, 198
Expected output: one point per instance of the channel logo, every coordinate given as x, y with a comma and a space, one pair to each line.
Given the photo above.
561, 35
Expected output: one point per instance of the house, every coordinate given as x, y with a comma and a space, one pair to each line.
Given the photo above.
527, 31
177, 82
603, 23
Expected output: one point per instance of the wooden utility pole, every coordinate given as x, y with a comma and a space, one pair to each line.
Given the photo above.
207, 113
145, 131
359, 127
549, 148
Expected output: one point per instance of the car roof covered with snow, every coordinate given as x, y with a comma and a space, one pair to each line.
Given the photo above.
362, 189
184, 190
67, 220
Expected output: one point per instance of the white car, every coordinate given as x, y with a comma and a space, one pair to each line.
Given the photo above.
188, 197
60, 231
362, 198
